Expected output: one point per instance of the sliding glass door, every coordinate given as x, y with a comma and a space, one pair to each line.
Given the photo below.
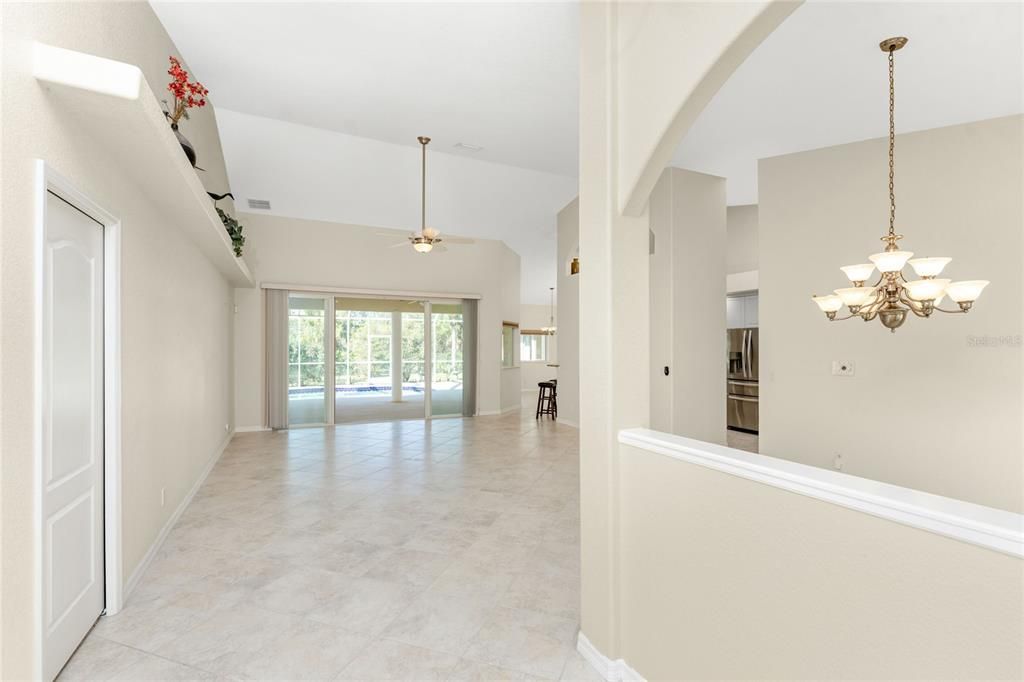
379, 360
307, 360
446, 355
386, 359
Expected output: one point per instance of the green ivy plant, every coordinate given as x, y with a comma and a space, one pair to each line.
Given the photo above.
234, 231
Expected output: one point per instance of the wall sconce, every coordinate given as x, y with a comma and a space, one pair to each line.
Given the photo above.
574, 266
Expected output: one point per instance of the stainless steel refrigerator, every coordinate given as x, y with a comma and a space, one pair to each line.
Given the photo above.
741, 378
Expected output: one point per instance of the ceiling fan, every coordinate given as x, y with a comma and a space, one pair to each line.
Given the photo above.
428, 238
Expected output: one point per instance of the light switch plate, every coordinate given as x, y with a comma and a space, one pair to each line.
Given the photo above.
842, 368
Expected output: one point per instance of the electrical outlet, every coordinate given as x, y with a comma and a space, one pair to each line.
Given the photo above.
837, 463
842, 368
163, 496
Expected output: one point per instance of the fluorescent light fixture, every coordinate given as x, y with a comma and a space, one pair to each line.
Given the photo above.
85, 71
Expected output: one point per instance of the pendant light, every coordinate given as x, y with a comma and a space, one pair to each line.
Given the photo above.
551, 328
892, 296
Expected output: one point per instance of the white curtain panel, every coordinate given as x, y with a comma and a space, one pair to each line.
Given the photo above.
469, 335
277, 358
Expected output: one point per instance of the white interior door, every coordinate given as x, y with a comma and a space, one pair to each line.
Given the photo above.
72, 431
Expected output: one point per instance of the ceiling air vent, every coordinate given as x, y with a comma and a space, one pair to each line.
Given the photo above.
261, 204
468, 147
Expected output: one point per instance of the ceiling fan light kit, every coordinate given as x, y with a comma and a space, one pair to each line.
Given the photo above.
892, 296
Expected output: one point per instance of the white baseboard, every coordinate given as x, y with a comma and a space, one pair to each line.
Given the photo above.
140, 570
612, 671
568, 423
250, 429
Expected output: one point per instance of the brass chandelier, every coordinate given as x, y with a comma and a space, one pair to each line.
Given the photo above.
892, 296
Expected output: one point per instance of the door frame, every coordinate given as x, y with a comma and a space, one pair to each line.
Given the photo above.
49, 180
330, 293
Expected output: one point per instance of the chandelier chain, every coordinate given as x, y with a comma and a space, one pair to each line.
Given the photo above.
892, 143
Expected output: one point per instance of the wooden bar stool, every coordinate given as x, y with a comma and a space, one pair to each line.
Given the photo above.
547, 399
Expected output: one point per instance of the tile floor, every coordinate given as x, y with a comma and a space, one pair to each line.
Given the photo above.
397, 551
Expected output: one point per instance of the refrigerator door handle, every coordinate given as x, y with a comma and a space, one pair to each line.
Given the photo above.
743, 398
743, 354
747, 347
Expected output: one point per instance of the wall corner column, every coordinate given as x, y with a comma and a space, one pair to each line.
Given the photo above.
614, 326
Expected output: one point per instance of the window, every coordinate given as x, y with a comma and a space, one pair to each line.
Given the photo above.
362, 348
508, 344
533, 346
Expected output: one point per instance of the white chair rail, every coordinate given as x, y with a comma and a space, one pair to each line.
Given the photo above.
994, 529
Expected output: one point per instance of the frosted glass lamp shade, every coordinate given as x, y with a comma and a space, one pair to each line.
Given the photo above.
828, 304
928, 267
858, 273
967, 291
890, 261
423, 247
856, 296
926, 289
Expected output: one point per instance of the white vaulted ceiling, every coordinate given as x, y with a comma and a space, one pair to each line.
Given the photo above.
320, 104
821, 80
500, 75
323, 175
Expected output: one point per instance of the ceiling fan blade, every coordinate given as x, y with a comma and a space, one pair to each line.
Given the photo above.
439, 247
459, 240
398, 245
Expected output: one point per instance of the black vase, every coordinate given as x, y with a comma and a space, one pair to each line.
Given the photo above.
186, 146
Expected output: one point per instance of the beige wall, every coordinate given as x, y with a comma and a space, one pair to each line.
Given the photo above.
754, 582
927, 408
647, 69
567, 304
175, 306
509, 280
291, 251
741, 239
687, 298
535, 317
